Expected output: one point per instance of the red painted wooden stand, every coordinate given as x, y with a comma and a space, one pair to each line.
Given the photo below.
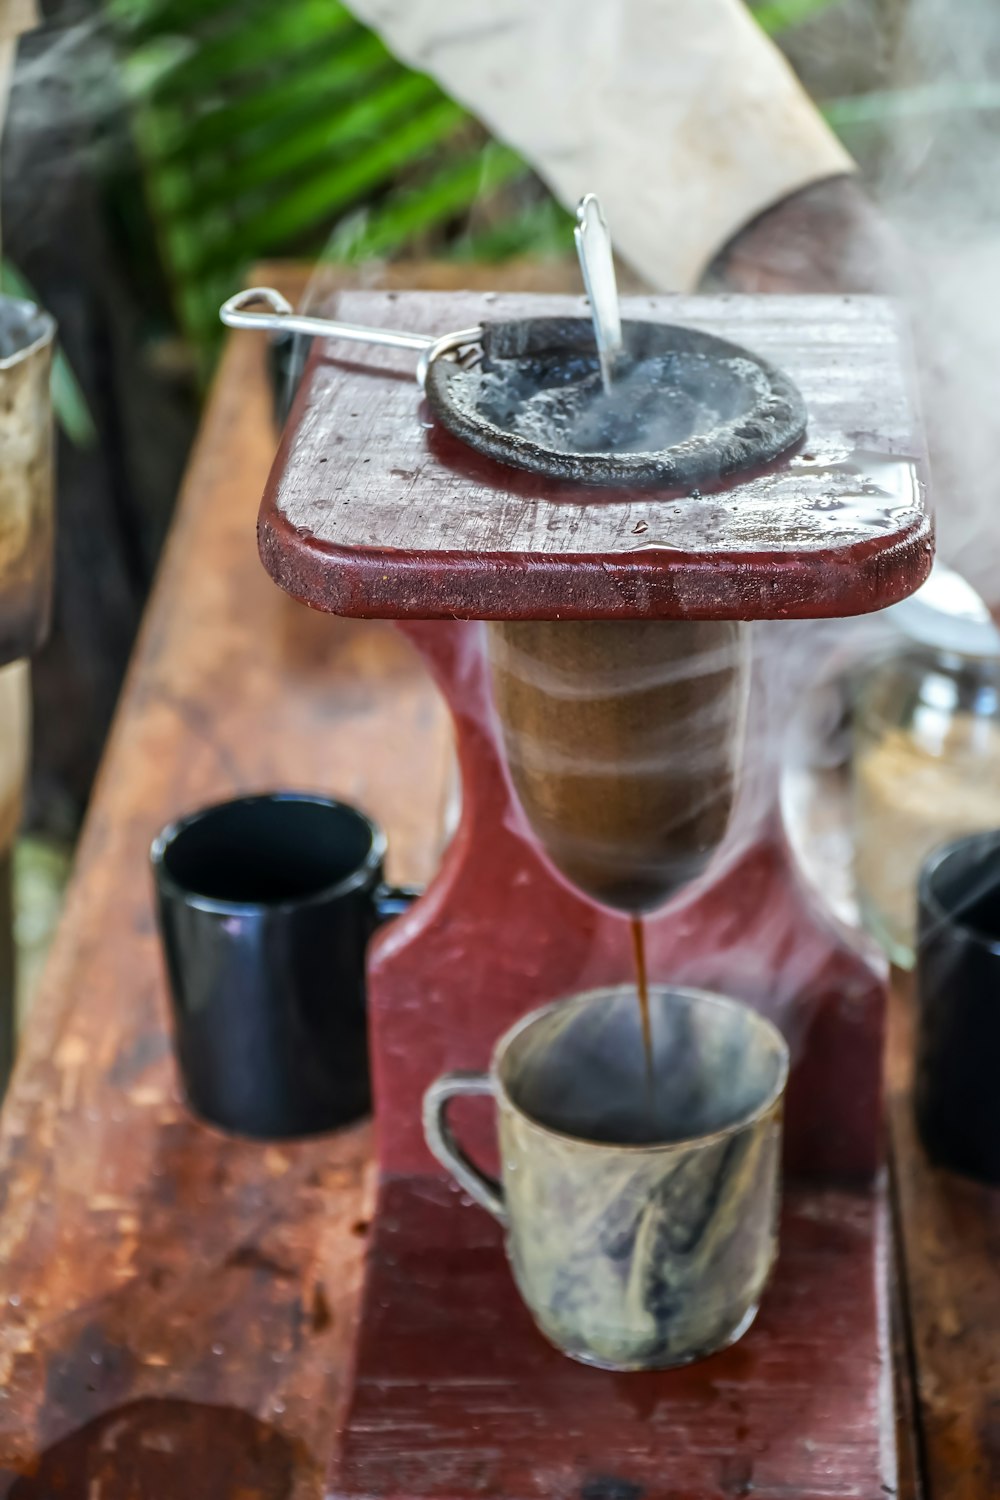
372, 512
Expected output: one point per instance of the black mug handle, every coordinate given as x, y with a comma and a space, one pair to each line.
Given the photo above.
392, 900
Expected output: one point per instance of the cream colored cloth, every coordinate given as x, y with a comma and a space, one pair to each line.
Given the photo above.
17, 16
680, 114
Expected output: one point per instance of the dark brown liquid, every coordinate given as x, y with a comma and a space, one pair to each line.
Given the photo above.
642, 990
621, 739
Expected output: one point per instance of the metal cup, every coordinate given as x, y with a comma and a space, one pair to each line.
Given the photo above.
27, 520
640, 1206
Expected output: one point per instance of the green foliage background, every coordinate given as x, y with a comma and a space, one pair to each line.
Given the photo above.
272, 129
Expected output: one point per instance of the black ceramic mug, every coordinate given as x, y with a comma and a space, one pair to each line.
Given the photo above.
958, 997
265, 907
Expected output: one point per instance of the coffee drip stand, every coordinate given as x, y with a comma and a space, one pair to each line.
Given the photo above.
375, 510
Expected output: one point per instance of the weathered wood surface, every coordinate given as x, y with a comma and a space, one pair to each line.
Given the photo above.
454, 1392
373, 509
176, 1305
457, 1394
949, 1231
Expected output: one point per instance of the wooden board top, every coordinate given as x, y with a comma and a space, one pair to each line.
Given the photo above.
798, 1409
373, 509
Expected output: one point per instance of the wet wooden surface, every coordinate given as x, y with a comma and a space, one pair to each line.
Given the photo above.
949, 1252
375, 509
176, 1307
798, 1409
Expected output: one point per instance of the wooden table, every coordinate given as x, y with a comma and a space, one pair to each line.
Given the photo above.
178, 1305
948, 1255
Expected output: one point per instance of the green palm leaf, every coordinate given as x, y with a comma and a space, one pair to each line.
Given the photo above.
407, 213
270, 129
285, 128
775, 16
313, 87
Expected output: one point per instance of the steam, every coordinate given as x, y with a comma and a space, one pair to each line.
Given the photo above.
937, 183
653, 404
935, 180
621, 740
65, 109
65, 82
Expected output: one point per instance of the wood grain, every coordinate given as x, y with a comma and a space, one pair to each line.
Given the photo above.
176, 1304
375, 510
949, 1252
499, 933
791, 1412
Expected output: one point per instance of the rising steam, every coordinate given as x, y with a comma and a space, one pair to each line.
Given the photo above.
937, 183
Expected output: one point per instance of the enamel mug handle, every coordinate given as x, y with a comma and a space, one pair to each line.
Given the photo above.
443, 1144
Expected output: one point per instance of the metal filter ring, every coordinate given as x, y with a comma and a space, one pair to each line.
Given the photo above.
761, 413
529, 392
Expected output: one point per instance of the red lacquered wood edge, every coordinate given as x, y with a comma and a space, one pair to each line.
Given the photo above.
366, 583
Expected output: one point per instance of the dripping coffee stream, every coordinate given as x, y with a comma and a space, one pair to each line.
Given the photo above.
642, 989
622, 739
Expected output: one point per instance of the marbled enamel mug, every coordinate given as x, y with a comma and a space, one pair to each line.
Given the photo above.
640, 1204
